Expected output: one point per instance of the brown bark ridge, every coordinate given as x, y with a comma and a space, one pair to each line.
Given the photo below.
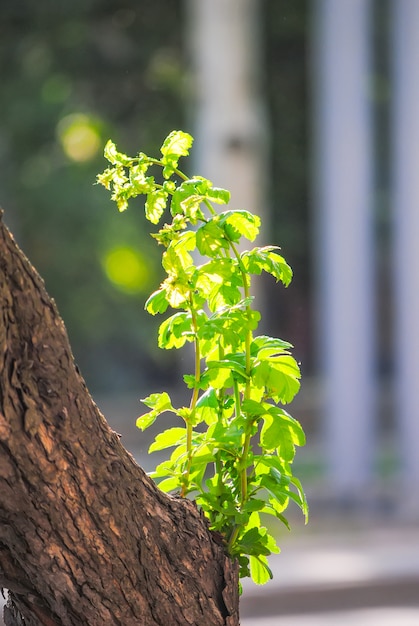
86, 538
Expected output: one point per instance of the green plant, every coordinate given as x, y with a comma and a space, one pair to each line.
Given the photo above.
234, 450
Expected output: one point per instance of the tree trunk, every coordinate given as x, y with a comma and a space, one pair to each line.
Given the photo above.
86, 538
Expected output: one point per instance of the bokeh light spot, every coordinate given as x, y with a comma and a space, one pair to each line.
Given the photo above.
79, 137
127, 269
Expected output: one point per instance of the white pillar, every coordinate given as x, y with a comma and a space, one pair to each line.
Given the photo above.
229, 117
405, 145
343, 242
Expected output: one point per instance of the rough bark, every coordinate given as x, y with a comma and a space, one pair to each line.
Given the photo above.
85, 536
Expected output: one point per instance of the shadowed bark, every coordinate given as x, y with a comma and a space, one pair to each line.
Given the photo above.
86, 538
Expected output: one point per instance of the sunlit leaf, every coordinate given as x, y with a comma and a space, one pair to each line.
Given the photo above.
159, 403
155, 205
175, 331
237, 224
264, 346
253, 408
235, 367
302, 499
168, 438
170, 484
266, 259
177, 143
177, 292
105, 178
115, 157
208, 406
281, 432
279, 376
157, 302
217, 195
210, 239
260, 570
177, 256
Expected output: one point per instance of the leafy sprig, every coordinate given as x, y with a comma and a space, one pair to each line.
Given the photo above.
234, 450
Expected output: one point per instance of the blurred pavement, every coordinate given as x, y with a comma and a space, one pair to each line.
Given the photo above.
362, 575
365, 617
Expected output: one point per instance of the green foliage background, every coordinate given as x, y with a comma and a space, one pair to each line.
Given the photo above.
124, 67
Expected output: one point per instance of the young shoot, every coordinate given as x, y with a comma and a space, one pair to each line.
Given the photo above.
235, 443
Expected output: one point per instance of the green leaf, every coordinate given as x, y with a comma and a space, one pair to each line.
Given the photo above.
259, 569
115, 157
202, 455
162, 470
275, 433
252, 408
187, 200
141, 183
217, 195
189, 196
176, 331
220, 280
281, 432
210, 239
231, 324
219, 377
228, 438
168, 438
208, 406
279, 376
176, 145
157, 302
146, 420
225, 269
301, 496
121, 196
177, 255
105, 178
170, 484
177, 291
253, 540
192, 383
278, 488
226, 294
293, 425
265, 259
237, 224
264, 346
159, 403
169, 233
155, 205
233, 366
254, 504
265, 461
275, 508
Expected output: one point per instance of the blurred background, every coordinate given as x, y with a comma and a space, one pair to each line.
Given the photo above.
307, 111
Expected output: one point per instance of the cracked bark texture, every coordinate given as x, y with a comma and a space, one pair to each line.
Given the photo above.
85, 536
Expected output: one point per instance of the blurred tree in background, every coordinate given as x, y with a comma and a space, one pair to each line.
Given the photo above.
287, 35
74, 74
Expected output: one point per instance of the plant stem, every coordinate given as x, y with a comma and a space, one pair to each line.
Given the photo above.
176, 171
237, 399
194, 400
248, 341
233, 538
243, 471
